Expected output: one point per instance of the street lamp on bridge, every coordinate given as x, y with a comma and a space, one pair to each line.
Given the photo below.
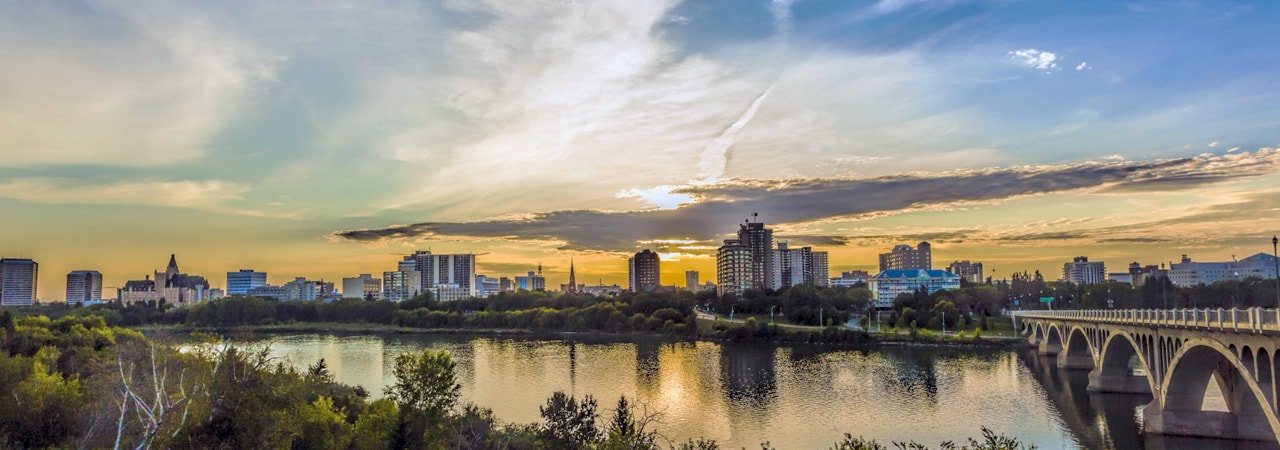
1275, 242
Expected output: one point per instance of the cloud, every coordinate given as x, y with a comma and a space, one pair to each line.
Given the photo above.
130, 85
561, 95
1083, 66
212, 195
1036, 59
790, 201
715, 158
781, 11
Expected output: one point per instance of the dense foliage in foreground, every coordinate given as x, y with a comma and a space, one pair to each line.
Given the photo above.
76, 382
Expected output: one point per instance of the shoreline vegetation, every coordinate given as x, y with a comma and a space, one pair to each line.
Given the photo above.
75, 381
798, 315
342, 328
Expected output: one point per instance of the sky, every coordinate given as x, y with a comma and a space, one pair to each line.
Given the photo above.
325, 139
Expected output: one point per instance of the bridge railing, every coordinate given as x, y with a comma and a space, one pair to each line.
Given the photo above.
1255, 320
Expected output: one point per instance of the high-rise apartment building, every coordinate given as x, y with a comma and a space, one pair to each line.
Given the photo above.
239, 283
646, 271
631, 273
1082, 271
759, 240
18, 281
363, 286
903, 257
401, 285
691, 281
820, 274
734, 268
84, 286
794, 266
970, 271
446, 269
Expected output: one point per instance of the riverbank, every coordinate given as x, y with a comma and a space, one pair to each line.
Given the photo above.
708, 331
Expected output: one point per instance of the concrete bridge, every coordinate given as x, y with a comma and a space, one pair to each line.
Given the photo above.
1174, 355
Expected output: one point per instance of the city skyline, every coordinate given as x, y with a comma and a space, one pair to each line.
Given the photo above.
296, 142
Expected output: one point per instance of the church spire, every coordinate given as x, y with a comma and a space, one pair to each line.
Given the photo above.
173, 261
573, 281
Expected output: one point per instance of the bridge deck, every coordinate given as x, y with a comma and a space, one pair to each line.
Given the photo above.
1251, 320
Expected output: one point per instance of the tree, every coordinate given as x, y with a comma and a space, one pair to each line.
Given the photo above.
426, 383
627, 431
568, 423
947, 313
320, 371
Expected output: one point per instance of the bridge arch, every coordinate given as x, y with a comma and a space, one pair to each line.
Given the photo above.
1114, 372
1198, 362
1037, 332
1052, 343
1266, 375
1078, 351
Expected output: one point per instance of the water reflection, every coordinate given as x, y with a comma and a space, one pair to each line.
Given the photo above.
795, 397
747, 376
647, 364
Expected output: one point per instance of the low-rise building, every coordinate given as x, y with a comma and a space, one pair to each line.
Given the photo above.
240, 282
888, 284
531, 282
850, 278
601, 290
1190, 273
280, 293
364, 286
1139, 274
450, 292
487, 286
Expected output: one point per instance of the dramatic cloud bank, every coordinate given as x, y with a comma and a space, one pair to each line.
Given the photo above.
796, 201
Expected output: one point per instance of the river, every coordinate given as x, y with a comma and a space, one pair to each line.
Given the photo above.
796, 397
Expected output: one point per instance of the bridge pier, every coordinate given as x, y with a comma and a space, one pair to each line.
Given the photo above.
1210, 424
1117, 383
1047, 348
1069, 360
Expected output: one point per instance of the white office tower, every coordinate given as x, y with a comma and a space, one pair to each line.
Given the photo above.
18, 281
84, 286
